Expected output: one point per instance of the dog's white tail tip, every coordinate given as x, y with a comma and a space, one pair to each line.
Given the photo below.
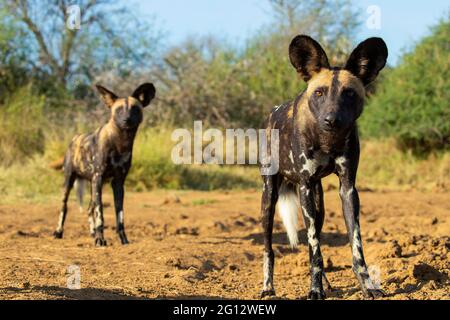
288, 206
79, 188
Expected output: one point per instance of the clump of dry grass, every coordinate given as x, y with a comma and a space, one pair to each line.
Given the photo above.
30, 182
383, 164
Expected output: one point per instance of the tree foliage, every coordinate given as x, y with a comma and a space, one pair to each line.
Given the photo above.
13, 56
111, 36
413, 100
212, 80
207, 78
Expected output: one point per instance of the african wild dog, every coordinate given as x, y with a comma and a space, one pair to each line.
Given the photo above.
105, 154
318, 136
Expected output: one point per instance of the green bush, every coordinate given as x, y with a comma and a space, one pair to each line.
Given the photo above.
237, 86
22, 122
412, 102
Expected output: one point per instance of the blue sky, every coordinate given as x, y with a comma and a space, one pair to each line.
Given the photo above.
402, 22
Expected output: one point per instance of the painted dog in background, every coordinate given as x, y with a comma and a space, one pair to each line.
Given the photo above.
318, 136
105, 154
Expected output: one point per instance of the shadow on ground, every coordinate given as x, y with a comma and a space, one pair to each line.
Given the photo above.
96, 294
330, 239
81, 294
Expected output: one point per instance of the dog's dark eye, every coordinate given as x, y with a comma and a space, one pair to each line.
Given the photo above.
349, 93
135, 111
318, 93
119, 110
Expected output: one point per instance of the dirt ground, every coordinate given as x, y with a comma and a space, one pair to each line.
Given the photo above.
208, 245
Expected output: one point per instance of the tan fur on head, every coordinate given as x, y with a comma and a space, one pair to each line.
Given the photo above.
323, 78
346, 80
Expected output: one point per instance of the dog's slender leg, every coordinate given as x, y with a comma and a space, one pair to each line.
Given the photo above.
320, 218
69, 181
268, 203
91, 219
118, 190
90, 212
350, 206
315, 256
97, 199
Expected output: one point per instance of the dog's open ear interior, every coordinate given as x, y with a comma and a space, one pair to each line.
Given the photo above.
107, 96
367, 60
307, 56
145, 93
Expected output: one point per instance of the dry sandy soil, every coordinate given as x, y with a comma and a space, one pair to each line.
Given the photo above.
208, 245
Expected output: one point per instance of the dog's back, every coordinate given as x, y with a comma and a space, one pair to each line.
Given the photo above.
80, 156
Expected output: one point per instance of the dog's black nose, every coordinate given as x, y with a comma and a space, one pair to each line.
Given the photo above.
330, 120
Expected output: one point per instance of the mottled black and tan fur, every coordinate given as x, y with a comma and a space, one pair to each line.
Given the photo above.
318, 137
105, 155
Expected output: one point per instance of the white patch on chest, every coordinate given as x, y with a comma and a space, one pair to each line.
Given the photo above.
124, 158
311, 165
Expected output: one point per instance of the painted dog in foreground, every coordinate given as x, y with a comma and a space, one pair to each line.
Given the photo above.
318, 136
102, 155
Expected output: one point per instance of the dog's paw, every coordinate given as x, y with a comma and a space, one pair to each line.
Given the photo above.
316, 295
100, 242
267, 294
123, 238
326, 284
58, 234
374, 293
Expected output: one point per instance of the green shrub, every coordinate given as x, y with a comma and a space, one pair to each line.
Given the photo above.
412, 102
22, 122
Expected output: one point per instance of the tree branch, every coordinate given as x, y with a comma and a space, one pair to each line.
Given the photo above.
21, 12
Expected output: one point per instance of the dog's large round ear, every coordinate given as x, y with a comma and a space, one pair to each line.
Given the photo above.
107, 96
367, 60
307, 56
145, 93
